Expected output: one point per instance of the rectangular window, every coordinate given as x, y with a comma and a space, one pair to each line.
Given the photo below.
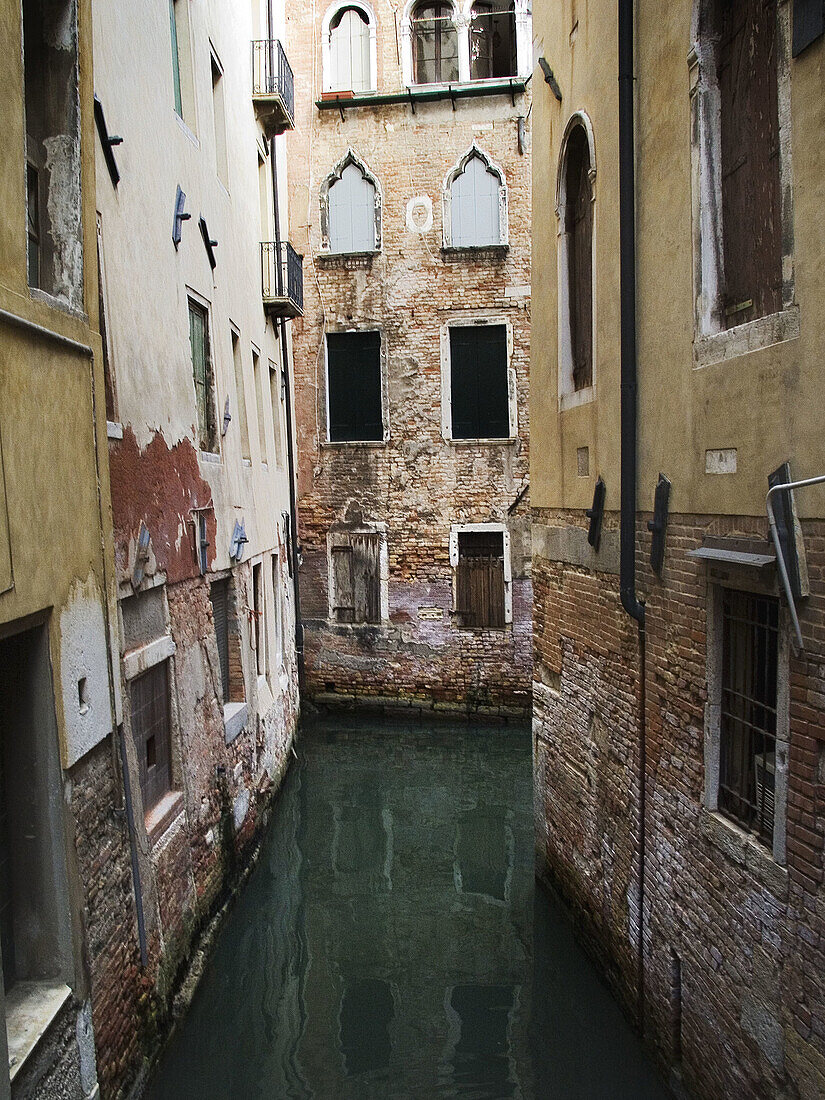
219, 596
479, 387
152, 733
54, 253
275, 402
173, 26
748, 722
277, 624
480, 579
263, 196
202, 376
746, 34
183, 92
354, 387
356, 579
259, 632
240, 397
219, 118
261, 407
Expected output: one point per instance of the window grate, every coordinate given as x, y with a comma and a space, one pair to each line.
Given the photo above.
750, 647
151, 730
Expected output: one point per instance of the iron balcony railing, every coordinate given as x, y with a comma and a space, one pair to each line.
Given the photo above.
272, 76
282, 277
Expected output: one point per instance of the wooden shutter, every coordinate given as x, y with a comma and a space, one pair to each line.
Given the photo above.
342, 586
478, 382
579, 229
354, 386
150, 728
808, 23
219, 594
352, 213
751, 200
201, 374
366, 578
480, 579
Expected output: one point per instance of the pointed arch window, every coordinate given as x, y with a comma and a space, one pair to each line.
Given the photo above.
435, 44
349, 61
575, 212
350, 209
475, 204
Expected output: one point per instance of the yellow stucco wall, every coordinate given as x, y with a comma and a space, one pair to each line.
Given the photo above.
766, 403
52, 409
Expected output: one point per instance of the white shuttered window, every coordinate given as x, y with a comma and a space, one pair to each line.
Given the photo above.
352, 213
349, 52
474, 206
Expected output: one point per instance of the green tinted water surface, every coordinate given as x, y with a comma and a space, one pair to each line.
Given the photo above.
390, 942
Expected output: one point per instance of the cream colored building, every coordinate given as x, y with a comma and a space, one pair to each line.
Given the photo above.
679, 761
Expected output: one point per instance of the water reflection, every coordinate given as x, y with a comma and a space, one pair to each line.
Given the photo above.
383, 946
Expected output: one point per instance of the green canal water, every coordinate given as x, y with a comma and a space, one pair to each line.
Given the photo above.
390, 941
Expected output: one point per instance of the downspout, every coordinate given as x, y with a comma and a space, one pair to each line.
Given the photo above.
290, 454
627, 535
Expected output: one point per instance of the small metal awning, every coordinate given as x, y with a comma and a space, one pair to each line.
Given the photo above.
724, 556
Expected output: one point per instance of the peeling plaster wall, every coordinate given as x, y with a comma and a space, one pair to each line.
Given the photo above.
83, 657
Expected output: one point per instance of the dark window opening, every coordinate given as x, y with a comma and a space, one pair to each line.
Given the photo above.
219, 595
202, 376
746, 61
152, 733
479, 389
435, 45
258, 615
54, 245
578, 226
747, 756
356, 580
480, 579
493, 41
354, 387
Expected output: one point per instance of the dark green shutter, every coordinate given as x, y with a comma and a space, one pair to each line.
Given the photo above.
808, 23
219, 594
478, 382
354, 384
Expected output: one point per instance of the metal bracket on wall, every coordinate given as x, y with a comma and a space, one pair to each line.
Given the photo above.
596, 515
209, 244
658, 525
180, 217
108, 142
550, 78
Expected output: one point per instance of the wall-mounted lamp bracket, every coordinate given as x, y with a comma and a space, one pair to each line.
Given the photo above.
596, 515
550, 78
180, 217
208, 243
658, 525
108, 142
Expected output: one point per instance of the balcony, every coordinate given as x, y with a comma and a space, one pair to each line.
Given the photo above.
282, 279
273, 87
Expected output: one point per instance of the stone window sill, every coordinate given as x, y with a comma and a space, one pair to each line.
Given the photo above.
234, 720
479, 253
332, 443
350, 260
163, 815
745, 850
211, 457
764, 332
137, 661
577, 397
30, 1009
486, 441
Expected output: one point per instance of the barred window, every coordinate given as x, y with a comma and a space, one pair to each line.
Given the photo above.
747, 749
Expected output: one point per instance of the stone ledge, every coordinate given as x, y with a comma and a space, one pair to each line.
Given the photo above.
234, 720
141, 660
743, 849
30, 1009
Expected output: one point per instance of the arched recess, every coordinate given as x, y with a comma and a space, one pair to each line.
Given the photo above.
449, 38
575, 208
349, 48
475, 203
351, 216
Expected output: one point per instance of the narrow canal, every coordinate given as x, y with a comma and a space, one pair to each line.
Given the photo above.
390, 943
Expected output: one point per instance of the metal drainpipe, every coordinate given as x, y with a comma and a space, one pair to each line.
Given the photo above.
780, 557
627, 535
290, 455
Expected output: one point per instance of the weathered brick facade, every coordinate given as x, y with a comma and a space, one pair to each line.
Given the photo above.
416, 484
747, 932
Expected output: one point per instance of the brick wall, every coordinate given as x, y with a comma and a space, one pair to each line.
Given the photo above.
747, 932
416, 484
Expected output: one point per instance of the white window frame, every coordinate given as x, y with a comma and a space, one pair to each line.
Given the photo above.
713, 709
350, 158
462, 19
476, 321
712, 342
484, 528
447, 200
326, 53
345, 538
569, 396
